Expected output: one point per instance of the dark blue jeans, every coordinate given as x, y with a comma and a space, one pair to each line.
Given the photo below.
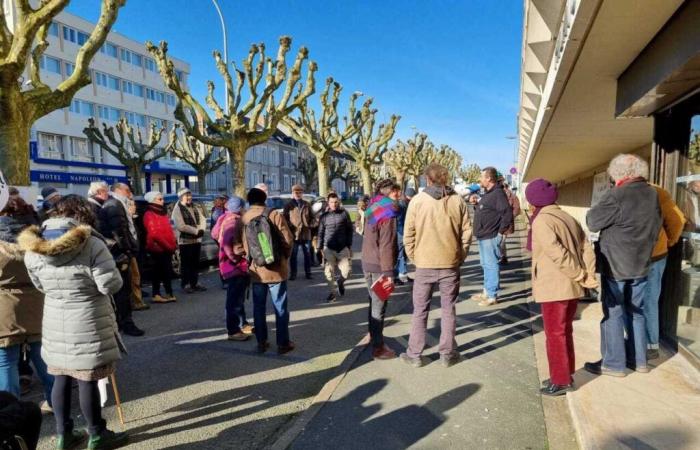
401, 263
278, 294
623, 310
235, 304
9, 373
305, 248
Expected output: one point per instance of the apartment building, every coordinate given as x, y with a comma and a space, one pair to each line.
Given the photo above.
600, 78
125, 83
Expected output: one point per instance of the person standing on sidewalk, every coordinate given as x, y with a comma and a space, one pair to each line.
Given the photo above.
493, 216
21, 304
270, 278
114, 220
673, 222
134, 270
298, 215
233, 267
335, 239
379, 251
50, 196
362, 204
628, 217
514, 203
437, 238
190, 224
563, 264
161, 244
72, 266
401, 271
98, 194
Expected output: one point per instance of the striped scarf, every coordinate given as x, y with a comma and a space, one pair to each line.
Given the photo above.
381, 209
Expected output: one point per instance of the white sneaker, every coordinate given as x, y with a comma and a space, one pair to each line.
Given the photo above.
488, 302
480, 296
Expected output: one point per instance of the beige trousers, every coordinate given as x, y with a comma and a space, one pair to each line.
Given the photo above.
336, 260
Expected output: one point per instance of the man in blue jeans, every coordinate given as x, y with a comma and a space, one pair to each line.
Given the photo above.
271, 278
401, 270
493, 216
628, 218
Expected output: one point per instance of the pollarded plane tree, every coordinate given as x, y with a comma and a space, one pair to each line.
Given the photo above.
308, 169
128, 147
196, 154
368, 147
322, 136
470, 173
243, 124
444, 155
22, 45
402, 159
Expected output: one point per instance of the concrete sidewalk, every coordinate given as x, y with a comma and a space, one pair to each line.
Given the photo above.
658, 410
490, 400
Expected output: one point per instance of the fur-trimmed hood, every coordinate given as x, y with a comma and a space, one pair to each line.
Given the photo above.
71, 238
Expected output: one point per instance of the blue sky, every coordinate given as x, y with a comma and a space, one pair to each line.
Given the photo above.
450, 68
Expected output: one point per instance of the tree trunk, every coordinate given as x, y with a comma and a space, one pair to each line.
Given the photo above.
15, 126
135, 175
323, 181
202, 182
237, 157
401, 180
366, 173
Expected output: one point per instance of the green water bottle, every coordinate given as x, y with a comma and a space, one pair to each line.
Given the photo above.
266, 248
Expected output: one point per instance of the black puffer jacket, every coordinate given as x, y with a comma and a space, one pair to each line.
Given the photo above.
335, 230
114, 224
493, 214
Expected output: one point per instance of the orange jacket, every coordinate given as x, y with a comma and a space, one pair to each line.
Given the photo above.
673, 222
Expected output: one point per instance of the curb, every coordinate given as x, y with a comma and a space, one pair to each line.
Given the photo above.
285, 440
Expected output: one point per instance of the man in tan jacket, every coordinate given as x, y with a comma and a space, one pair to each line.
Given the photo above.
271, 278
300, 220
437, 236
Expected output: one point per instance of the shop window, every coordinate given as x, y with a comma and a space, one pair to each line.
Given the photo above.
80, 150
688, 198
50, 146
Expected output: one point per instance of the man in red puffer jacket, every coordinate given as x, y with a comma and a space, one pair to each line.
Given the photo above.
161, 244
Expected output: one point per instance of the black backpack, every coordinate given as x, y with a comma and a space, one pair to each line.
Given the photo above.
262, 239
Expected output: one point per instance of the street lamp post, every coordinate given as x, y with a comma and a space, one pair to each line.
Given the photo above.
227, 172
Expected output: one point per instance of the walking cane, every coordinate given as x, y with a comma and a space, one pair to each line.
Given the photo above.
113, 380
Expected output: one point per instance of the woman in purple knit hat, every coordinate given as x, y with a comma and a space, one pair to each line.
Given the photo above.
563, 264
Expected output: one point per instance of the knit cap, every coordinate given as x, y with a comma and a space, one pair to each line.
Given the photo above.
150, 197
540, 193
235, 204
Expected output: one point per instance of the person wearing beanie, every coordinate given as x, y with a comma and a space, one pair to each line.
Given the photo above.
271, 278
233, 268
50, 196
190, 224
401, 269
514, 203
628, 217
563, 264
493, 217
300, 220
161, 245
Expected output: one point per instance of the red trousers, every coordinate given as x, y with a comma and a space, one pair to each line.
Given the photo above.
558, 320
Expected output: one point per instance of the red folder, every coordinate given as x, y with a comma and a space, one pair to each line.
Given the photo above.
383, 287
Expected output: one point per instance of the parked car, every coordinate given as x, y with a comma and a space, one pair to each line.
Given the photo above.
210, 248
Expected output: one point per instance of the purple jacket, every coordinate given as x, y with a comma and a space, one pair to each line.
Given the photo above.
232, 259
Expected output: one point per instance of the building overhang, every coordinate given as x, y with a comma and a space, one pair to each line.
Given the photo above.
575, 127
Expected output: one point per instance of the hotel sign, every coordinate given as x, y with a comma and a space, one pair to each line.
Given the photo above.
44, 176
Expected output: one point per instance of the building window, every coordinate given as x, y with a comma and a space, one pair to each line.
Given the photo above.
287, 187
151, 65
53, 29
130, 117
140, 120
80, 151
114, 114
138, 90
101, 79
150, 94
127, 87
180, 75
170, 99
294, 180
109, 50
255, 178
137, 60
82, 37
50, 64
70, 68
113, 82
160, 97
125, 55
131, 57
50, 146
69, 34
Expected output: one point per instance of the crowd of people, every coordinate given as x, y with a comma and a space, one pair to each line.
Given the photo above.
71, 273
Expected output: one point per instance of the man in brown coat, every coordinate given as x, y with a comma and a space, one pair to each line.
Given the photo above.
300, 220
271, 278
437, 236
379, 253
